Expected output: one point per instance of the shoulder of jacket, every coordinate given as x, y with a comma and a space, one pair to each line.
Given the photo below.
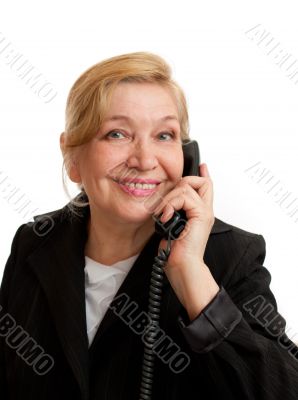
221, 226
231, 248
31, 234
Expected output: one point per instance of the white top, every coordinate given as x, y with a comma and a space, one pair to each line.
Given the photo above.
101, 284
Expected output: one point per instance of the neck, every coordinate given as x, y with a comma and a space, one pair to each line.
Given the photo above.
109, 242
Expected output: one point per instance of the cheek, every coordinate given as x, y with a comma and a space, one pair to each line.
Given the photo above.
104, 164
174, 166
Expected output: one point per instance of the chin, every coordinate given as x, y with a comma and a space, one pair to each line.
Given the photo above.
138, 217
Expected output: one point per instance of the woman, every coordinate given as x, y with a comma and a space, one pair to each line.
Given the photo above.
75, 288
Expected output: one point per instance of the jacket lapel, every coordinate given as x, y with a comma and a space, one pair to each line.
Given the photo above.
135, 286
59, 265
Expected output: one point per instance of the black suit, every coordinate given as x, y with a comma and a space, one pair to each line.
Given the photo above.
232, 355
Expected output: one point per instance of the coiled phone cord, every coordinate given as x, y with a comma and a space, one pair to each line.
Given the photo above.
155, 296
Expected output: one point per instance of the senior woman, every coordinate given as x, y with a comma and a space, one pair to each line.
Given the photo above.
75, 287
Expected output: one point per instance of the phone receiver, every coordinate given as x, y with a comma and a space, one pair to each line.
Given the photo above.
176, 224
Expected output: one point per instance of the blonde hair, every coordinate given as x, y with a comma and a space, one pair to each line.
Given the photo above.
90, 95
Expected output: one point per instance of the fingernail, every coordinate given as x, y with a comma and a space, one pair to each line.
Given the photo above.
157, 215
165, 216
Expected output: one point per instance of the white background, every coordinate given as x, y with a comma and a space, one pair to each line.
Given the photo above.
242, 106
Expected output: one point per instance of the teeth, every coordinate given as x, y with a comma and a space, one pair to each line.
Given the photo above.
139, 185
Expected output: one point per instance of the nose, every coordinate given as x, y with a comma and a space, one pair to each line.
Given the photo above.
142, 156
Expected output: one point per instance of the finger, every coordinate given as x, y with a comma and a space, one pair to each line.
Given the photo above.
203, 170
206, 192
203, 186
177, 203
184, 190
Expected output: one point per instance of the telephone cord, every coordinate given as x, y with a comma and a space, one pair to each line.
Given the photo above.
155, 296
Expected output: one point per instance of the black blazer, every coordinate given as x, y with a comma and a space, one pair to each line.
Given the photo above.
237, 347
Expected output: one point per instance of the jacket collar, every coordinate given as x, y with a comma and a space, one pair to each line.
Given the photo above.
59, 262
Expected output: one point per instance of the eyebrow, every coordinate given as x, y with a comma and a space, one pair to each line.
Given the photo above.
125, 117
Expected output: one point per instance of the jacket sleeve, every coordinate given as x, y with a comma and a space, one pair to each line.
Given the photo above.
4, 296
240, 336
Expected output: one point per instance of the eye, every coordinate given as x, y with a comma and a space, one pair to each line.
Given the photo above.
167, 133
113, 132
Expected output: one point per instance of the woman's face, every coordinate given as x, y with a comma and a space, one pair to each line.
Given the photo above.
143, 145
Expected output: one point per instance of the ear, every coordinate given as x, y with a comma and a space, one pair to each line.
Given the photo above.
62, 142
73, 168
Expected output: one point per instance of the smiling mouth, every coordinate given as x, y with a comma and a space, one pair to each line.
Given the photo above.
141, 186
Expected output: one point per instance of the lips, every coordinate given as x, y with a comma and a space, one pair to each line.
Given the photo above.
137, 190
142, 181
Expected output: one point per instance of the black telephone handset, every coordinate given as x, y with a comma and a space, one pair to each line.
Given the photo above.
168, 230
176, 224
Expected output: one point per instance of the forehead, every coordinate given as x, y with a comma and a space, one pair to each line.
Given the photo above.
142, 97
